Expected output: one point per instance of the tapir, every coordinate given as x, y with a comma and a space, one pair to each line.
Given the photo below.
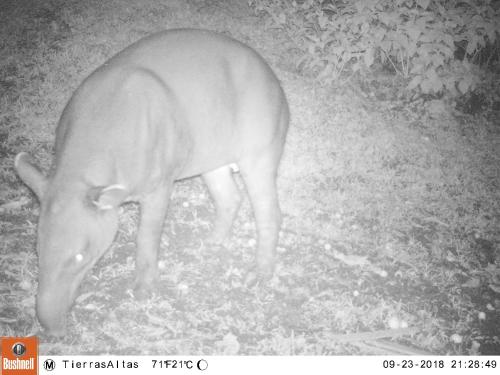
176, 104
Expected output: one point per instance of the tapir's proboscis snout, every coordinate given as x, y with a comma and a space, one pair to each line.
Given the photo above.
51, 313
176, 104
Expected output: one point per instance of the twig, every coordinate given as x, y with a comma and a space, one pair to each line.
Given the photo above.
375, 335
392, 348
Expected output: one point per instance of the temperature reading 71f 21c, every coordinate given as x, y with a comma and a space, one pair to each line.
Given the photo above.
172, 364
180, 364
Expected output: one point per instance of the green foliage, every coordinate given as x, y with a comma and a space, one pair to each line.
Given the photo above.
435, 44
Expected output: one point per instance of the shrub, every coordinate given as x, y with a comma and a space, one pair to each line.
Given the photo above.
436, 45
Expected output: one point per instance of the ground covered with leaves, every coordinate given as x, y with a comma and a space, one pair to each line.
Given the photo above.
390, 242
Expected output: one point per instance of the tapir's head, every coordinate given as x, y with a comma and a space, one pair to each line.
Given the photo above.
77, 224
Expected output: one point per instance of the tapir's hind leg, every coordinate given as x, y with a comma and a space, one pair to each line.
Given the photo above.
259, 173
226, 198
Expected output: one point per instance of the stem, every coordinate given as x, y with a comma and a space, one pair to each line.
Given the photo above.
392, 63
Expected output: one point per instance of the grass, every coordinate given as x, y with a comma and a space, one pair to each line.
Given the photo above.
391, 209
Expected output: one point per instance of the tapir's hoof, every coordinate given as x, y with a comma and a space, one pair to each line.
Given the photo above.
251, 279
143, 291
259, 274
265, 269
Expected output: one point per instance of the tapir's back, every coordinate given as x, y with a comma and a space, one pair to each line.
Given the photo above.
228, 99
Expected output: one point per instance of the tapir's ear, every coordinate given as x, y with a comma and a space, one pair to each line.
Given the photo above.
30, 174
107, 197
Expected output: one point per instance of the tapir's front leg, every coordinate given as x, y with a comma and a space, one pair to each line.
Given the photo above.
153, 211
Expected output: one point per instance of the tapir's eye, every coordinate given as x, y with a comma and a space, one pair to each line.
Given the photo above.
77, 260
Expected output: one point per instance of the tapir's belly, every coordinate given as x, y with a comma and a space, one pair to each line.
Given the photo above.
215, 143
205, 159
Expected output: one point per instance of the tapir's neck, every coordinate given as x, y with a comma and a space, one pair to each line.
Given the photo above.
94, 148
89, 169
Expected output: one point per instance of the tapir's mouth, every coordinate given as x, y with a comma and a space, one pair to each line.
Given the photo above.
52, 308
55, 298
54, 325
51, 315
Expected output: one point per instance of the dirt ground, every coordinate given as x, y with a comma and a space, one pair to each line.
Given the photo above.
391, 234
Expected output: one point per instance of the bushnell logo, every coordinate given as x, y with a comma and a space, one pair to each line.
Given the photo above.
19, 355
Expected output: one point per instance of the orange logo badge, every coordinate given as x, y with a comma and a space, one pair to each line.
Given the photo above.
19, 355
